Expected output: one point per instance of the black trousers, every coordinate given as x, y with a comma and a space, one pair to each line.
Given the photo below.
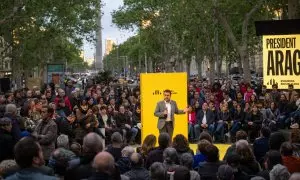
168, 128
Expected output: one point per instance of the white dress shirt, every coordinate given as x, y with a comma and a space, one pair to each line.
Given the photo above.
168, 106
204, 121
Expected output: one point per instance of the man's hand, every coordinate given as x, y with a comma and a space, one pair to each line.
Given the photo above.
186, 110
165, 112
204, 126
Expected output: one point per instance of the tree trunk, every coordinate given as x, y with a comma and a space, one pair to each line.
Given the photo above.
293, 9
211, 72
188, 68
199, 65
246, 66
219, 67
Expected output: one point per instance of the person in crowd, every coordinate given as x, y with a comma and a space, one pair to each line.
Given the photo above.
295, 176
147, 146
275, 94
261, 144
276, 139
240, 135
156, 155
222, 123
124, 162
46, 132
137, 168
62, 110
29, 157
205, 119
283, 110
104, 165
208, 169
11, 113
181, 144
254, 122
248, 163
74, 98
295, 141
7, 141
234, 160
124, 125
206, 136
200, 155
290, 161
267, 100
62, 95
187, 161
171, 160
271, 116
225, 172
181, 173
6, 166
116, 145
158, 171
92, 145
75, 147
191, 123
238, 119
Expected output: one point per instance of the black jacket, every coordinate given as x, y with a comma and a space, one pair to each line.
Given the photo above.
210, 118
6, 145
82, 171
138, 173
64, 127
208, 170
155, 155
100, 176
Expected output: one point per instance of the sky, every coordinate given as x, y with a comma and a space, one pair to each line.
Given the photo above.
108, 29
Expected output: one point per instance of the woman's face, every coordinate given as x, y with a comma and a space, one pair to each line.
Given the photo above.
91, 101
254, 109
282, 97
252, 98
239, 96
272, 105
197, 104
103, 111
239, 108
234, 103
109, 109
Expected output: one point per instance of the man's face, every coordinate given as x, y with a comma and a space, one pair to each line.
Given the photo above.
167, 96
44, 113
196, 95
29, 94
204, 106
122, 110
61, 93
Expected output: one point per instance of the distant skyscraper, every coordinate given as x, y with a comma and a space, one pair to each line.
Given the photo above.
109, 44
99, 63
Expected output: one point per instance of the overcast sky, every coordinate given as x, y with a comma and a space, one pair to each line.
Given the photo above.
108, 29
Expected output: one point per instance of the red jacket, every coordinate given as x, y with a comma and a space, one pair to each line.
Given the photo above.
192, 117
67, 102
292, 163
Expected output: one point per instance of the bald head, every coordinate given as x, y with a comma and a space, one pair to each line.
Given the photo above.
104, 162
136, 160
295, 176
92, 143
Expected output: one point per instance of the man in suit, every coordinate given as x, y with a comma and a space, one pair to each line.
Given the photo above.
165, 111
204, 118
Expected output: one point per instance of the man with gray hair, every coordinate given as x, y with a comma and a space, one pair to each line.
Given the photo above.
187, 160
92, 145
104, 164
158, 171
115, 147
11, 113
137, 168
170, 159
124, 161
295, 176
62, 95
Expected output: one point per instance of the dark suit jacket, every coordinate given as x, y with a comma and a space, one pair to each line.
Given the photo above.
159, 112
210, 118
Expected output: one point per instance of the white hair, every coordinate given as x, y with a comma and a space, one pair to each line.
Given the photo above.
11, 108
63, 141
127, 151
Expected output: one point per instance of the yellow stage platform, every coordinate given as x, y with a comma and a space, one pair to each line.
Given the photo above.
222, 149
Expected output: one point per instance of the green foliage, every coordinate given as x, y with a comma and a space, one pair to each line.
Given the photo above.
47, 31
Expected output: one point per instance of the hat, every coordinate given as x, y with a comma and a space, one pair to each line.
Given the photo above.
225, 172
5, 121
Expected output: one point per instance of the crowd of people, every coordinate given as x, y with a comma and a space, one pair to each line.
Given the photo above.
73, 133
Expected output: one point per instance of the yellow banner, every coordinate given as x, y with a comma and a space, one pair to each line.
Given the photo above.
281, 61
152, 87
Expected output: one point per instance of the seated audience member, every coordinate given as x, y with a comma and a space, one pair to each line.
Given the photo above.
238, 118
295, 176
181, 144
61, 156
204, 119
234, 160
76, 148
261, 144
222, 123
206, 136
92, 145
156, 155
104, 165
171, 160
115, 147
290, 161
240, 135
200, 155
295, 141
187, 161
248, 163
254, 120
276, 139
158, 171
29, 157
7, 141
147, 146
6, 166
182, 173
124, 161
278, 171
137, 168
208, 169
225, 172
